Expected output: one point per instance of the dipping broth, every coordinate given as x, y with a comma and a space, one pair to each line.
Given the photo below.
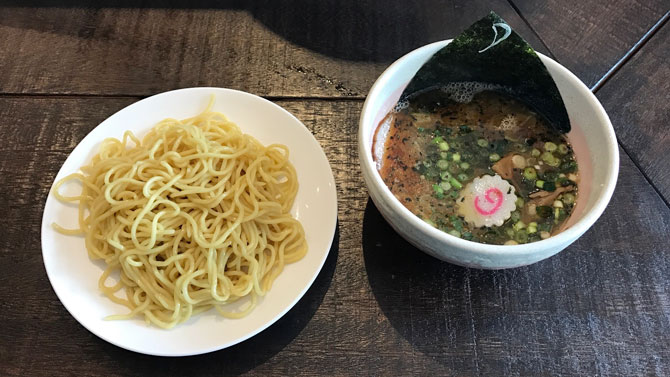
489, 170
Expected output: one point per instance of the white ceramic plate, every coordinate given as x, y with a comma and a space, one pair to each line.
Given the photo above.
74, 276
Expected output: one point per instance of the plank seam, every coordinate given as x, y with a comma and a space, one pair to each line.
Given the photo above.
612, 71
639, 167
630, 53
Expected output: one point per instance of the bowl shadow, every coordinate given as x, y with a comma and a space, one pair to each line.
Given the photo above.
436, 306
244, 356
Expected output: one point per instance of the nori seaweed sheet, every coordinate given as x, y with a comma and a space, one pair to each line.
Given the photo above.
512, 64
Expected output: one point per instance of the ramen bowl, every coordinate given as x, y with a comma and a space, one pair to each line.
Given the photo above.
592, 138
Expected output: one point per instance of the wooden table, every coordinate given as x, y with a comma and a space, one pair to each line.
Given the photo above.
379, 306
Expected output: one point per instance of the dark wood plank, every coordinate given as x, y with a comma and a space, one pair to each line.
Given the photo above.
589, 37
297, 49
380, 307
637, 99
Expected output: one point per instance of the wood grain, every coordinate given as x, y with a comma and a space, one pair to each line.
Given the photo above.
637, 100
379, 307
589, 37
282, 49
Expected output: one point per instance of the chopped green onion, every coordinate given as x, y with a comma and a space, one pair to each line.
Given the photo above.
463, 177
563, 149
454, 194
549, 146
521, 236
539, 183
510, 232
535, 152
438, 190
531, 229
430, 222
456, 157
455, 183
519, 202
443, 155
457, 223
515, 216
561, 213
455, 233
465, 165
519, 225
568, 198
558, 204
438, 140
446, 186
494, 157
443, 164
529, 173
547, 157
483, 143
443, 146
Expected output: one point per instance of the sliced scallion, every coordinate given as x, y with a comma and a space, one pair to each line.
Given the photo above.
518, 225
530, 173
446, 186
549, 146
521, 236
455, 183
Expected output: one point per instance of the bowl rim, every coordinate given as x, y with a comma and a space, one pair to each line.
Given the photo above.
486, 250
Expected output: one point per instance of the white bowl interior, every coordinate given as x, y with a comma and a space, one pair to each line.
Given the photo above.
592, 137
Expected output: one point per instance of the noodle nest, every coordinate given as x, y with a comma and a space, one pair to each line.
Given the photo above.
193, 216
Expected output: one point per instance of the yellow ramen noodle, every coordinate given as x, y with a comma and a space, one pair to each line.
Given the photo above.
194, 216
